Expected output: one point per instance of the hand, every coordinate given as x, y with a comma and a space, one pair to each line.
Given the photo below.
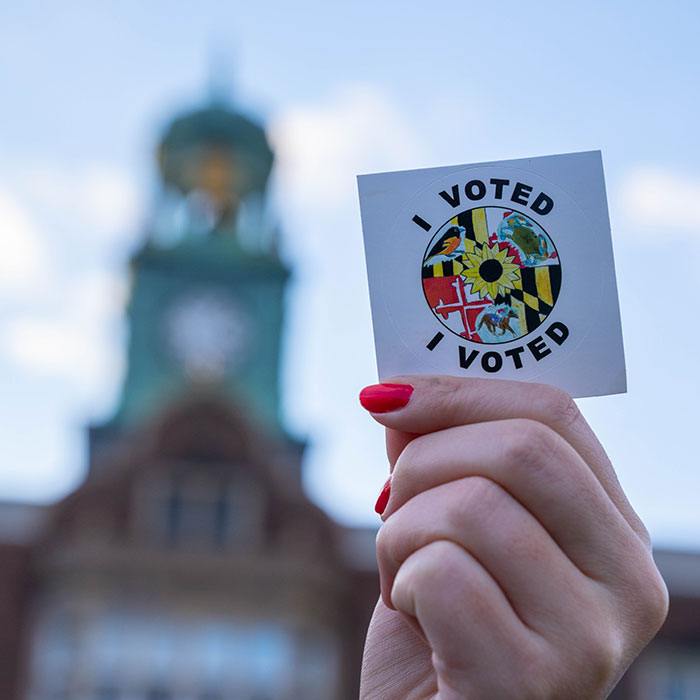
511, 563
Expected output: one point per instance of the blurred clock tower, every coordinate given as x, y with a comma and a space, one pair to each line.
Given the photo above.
190, 564
206, 306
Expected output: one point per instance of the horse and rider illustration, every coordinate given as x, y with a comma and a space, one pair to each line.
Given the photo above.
498, 319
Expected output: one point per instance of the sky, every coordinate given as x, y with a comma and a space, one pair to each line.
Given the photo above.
343, 89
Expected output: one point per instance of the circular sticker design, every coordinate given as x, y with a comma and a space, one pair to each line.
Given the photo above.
491, 275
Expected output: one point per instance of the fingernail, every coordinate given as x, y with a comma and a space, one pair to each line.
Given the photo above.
383, 499
382, 398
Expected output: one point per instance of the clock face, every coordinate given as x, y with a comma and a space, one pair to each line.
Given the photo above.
207, 332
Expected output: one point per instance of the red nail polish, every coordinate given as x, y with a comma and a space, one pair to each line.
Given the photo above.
383, 499
383, 398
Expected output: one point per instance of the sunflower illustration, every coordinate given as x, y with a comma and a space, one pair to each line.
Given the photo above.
491, 271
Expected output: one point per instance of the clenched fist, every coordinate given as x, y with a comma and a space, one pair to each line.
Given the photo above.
512, 566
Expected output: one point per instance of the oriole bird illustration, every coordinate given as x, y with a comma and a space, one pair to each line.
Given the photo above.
452, 247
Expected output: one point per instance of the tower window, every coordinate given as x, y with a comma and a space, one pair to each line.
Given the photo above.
206, 510
158, 694
196, 515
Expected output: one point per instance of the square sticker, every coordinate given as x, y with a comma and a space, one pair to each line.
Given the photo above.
502, 269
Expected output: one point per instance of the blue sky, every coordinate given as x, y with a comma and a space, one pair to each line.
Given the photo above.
346, 88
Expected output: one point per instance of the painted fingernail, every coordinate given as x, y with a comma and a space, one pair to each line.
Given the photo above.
383, 499
383, 398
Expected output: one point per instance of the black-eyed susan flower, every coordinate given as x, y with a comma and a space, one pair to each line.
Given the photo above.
490, 270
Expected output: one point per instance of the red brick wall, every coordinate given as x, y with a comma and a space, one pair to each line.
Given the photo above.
14, 585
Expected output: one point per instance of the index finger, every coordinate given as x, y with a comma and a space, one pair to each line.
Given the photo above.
438, 402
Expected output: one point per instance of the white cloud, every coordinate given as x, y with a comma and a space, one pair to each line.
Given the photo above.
655, 200
111, 198
99, 296
78, 345
23, 257
48, 346
63, 303
98, 199
321, 147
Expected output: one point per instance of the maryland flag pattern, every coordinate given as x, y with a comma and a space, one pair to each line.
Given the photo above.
491, 275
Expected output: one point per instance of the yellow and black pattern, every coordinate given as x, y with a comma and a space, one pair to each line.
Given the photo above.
448, 268
474, 221
540, 289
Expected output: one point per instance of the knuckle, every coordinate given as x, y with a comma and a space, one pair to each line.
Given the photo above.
413, 469
399, 537
420, 575
603, 656
385, 542
642, 532
534, 672
651, 599
414, 454
450, 396
430, 563
660, 597
559, 405
474, 499
638, 600
529, 444
586, 662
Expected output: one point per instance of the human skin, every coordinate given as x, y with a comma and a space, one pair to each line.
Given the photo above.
511, 563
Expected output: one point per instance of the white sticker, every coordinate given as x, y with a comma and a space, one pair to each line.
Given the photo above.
500, 269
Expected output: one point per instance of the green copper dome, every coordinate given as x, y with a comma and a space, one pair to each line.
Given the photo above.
216, 143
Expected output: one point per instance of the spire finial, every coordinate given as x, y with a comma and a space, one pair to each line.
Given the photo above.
220, 80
